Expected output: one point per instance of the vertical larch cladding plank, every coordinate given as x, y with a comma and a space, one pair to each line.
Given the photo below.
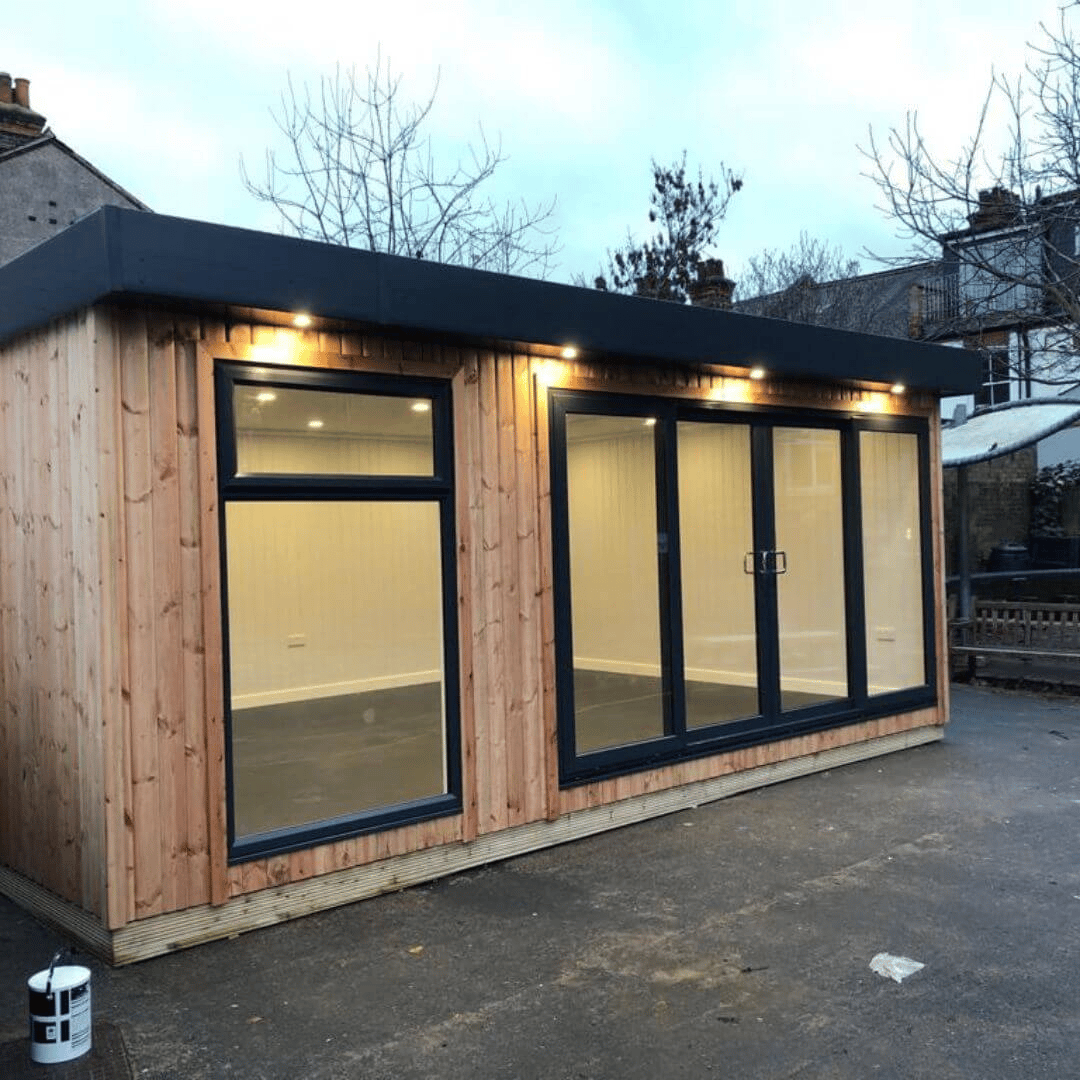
479, 644
513, 763
89, 628
115, 708
52, 585
31, 840
168, 614
196, 832
213, 687
529, 600
45, 809
466, 500
550, 753
142, 639
10, 517
61, 716
492, 759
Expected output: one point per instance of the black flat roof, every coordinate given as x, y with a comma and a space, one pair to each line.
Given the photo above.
129, 255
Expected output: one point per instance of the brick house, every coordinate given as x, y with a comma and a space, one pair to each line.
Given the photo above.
46, 185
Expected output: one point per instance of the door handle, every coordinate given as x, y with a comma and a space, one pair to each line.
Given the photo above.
769, 562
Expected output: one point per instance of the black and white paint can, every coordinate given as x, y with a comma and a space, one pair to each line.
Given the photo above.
60, 1027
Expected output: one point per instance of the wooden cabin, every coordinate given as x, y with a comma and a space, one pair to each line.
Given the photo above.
324, 572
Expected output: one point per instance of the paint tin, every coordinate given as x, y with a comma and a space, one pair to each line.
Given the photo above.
60, 1027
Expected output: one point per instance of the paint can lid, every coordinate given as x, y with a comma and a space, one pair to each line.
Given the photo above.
63, 978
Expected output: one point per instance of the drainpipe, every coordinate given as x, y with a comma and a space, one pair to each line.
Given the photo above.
963, 549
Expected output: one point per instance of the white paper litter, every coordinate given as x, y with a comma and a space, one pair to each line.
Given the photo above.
897, 968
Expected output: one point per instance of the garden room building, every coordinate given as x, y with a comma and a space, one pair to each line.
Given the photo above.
325, 572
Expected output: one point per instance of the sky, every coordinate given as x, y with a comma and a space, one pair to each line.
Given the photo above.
165, 97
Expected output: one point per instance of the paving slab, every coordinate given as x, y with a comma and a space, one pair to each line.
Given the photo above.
733, 940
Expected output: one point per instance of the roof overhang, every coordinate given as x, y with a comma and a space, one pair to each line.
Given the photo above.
1006, 428
116, 254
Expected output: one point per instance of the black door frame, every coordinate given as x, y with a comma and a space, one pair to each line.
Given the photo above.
770, 723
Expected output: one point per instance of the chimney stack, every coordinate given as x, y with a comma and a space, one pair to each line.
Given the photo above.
18, 122
712, 288
998, 207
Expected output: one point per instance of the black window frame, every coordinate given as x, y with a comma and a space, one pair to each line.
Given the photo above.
770, 725
437, 487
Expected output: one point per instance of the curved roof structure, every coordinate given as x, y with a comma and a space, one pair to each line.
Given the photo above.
1005, 428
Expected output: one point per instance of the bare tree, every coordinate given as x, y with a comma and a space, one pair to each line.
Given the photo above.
1001, 216
359, 171
813, 282
687, 214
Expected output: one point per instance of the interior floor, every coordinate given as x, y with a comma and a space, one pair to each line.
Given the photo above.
307, 761
312, 760
612, 709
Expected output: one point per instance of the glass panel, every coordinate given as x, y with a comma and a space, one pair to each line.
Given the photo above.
611, 482
336, 659
287, 431
716, 530
810, 595
892, 560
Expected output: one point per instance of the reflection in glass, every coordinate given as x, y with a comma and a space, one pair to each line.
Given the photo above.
892, 559
715, 533
281, 430
611, 481
810, 595
336, 659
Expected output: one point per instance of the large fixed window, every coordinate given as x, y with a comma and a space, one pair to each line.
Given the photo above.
339, 596
727, 576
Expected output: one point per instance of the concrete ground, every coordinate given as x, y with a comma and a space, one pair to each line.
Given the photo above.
734, 941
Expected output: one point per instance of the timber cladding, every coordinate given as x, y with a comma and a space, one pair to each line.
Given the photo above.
113, 776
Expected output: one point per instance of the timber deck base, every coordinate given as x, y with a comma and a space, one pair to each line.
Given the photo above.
166, 933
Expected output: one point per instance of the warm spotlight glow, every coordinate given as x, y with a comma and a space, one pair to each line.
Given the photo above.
548, 372
650, 421
421, 406
273, 354
301, 319
314, 423
757, 373
732, 390
897, 388
266, 395
569, 352
873, 403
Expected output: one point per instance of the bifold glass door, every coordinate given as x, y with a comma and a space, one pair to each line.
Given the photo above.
726, 576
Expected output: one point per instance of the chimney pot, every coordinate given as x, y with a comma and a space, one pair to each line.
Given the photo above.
6, 91
22, 93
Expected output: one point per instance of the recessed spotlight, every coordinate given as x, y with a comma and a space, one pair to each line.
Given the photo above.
421, 406
266, 395
314, 423
569, 352
301, 319
757, 373
897, 388
650, 421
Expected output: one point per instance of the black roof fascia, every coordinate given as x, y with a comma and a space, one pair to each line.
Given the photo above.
116, 253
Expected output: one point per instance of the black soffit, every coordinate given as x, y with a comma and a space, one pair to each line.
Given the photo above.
131, 255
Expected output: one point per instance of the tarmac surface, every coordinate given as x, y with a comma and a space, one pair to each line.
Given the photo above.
733, 940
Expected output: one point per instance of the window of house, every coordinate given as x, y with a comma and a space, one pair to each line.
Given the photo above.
726, 577
996, 385
339, 597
